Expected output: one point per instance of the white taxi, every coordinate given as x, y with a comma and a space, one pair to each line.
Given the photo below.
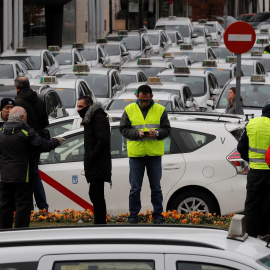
203, 34
151, 247
202, 83
150, 68
69, 90
129, 76
220, 50
175, 37
182, 90
198, 54
257, 55
190, 181
37, 62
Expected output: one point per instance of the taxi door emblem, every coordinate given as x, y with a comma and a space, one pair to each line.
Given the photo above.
222, 140
74, 179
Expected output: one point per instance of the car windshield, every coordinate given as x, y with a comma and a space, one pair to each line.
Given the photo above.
112, 50
178, 62
67, 96
132, 43
89, 54
6, 71
120, 104
253, 95
98, 83
183, 29
196, 56
211, 28
221, 52
260, 17
63, 58
127, 79
29, 62
174, 91
154, 38
198, 31
172, 37
149, 71
247, 69
196, 84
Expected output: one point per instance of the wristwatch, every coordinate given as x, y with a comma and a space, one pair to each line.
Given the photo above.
157, 133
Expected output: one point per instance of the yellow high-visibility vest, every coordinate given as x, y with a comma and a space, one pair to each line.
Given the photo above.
146, 146
258, 132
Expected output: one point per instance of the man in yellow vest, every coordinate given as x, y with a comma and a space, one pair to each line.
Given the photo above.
145, 124
252, 146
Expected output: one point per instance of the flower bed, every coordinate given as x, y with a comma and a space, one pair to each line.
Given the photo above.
171, 217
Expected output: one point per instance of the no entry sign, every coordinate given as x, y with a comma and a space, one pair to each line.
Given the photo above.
239, 37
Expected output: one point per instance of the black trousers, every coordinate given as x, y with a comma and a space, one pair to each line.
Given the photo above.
257, 205
16, 197
96, 194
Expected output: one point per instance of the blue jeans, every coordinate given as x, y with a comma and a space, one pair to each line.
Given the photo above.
136, 173
39, 192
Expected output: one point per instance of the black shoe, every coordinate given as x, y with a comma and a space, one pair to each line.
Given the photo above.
133, 221
158, 221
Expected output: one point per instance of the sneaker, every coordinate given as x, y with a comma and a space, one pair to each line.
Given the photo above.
158, 221
133, 221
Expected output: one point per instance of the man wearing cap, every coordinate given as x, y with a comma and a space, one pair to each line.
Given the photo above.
6, 105
252, 147
145, 124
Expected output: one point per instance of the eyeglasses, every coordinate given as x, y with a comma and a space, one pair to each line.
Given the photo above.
144, 100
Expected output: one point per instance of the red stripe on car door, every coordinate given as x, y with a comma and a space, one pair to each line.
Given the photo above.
65, 191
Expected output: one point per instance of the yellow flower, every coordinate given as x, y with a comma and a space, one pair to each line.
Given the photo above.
184, 221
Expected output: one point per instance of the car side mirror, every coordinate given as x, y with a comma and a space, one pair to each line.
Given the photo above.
149, 47
189, 104
179, 41
216, 91
194, 36
208, 35
48, 68
210, 103
125, 53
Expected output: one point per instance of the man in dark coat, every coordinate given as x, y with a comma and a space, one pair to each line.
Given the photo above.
97, 157
38, 120
18, 146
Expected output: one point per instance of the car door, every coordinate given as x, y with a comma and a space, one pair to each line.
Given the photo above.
196, 261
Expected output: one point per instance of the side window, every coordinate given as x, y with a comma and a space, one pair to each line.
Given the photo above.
71, 150
50, 58
118, 144
85, 89
201, 266
211, 84
19, 266
49, 104
189, 141
185, 94
262, 68
211, 54
214, 79
77, 58
18, 70
143, 42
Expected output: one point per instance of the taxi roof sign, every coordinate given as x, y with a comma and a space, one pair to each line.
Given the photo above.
21, 50
122, 32
153, 80
81, 68
172, 18
209, 63
256, 53
182, 69
101, 40
262, 41
213, 43
230, 59
264, 30
186, 47
168, 55
257, 78
202, 21
144, 61
48, 79
117, 67
53, 48
78, 45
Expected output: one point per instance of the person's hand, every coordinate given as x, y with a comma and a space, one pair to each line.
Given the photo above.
141, 134
60, 140
151, 134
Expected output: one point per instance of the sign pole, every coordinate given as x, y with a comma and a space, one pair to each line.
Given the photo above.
238, 82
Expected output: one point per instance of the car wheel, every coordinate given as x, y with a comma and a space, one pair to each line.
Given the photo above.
190, 201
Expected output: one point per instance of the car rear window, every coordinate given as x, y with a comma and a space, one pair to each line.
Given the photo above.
19, 266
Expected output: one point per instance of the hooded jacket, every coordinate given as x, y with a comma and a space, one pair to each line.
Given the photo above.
19, 143
97, 157
37, 117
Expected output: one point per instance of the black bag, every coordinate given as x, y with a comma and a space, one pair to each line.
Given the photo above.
45, 134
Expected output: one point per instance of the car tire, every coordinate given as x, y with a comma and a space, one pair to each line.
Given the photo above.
190, 201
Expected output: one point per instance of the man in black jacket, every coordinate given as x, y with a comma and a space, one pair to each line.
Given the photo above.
18, 146
6, 105
97, 157
37, 119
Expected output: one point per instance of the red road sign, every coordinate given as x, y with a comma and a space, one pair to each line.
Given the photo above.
239, 37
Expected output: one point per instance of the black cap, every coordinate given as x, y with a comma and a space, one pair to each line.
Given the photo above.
266, 110
7, 101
